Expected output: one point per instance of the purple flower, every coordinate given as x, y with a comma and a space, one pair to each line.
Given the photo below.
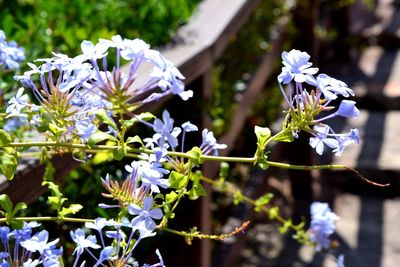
166, 130
321, 138
348, 109
78, 236
17, 103
209, 143
146, 214
85, 128
106, 254
322, 224
39, 242
297, 67
10, 54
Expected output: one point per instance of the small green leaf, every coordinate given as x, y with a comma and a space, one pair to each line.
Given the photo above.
5, 138
100, 136
19, 206
237, 197
134, 139
16, 224
72, 209
195, 155
171, 196
264, 199
273, 213
262, 133
285, 136
56, 130
6, 204
119, 153
8, 164
49, 171
197, 191
177, 180
105, 118
223, 170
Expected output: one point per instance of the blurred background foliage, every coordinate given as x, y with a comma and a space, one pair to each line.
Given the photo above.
234, 70
44, 26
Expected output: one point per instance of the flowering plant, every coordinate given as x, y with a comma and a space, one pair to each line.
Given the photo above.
83, 106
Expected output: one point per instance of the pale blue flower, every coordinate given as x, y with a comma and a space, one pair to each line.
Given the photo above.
166, 130
146, 214
322, 225
85, 128
209, 143
348, 109
340, 261
17, 103
297, 66
322, 138
78, 236
106, 254
10, 54
39, 242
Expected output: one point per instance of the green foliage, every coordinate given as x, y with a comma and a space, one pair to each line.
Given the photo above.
56, 201
178, 180
262, 201
195, 156
43, 26
9, 211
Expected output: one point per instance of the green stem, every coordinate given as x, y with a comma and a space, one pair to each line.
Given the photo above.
47, 218
231, 190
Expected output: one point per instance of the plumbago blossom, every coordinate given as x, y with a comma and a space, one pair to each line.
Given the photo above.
10, 54
23, 248
72, 91
322, 225
309, 100
117, 241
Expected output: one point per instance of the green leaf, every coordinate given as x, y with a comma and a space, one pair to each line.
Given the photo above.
8, 164
177, 180
145, 116
100, 136
195, 155
56, 130
16, 224
6, 204
285, 136
262, 133
119, 153
49, 171
273, 213
5, 138
171, 196
72, 209
237, 197
262, 201
19, 206
134, 139
197, 191
105, 118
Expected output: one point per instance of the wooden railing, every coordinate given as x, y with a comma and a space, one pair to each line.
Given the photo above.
201, 42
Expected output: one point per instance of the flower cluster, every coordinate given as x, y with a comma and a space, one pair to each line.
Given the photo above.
21, 248
322, 225
122, 245
72, 90
309, 109
10, 54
